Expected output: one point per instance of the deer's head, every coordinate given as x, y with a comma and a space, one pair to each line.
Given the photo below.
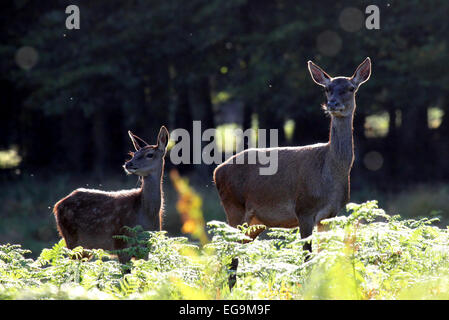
340, 91
148, 158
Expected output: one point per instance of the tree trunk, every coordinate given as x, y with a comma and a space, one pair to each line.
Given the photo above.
201, 106
99, 144
414, 144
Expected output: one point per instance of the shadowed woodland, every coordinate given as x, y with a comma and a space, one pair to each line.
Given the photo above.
70, 96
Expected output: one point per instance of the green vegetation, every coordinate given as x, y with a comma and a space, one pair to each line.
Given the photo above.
366, 254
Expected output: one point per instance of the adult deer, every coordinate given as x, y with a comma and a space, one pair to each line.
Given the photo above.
90, 218
312, 182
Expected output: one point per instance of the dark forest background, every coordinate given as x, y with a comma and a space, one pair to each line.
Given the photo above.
68, 97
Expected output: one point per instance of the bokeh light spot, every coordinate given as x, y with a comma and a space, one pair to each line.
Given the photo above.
329, 43
351, 19
26, 57
373, 160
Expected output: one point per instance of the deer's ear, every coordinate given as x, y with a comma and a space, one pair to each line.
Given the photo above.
318, 75
162, 138
362, 73
134, 141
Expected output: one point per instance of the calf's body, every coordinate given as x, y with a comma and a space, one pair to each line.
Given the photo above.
91, 218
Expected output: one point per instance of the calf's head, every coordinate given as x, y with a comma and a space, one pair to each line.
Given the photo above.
149, 158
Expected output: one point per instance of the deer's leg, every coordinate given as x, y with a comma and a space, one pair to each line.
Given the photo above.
70, 243
305, 229
233, 273
123, 257
322, 214
235, 213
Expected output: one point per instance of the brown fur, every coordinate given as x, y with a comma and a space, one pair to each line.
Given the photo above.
312, 182
84, 215
90, 218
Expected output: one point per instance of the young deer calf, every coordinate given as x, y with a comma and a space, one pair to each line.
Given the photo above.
90, 218
312, 182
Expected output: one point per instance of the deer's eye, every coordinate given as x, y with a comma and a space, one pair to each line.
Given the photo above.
149, 155
351, 89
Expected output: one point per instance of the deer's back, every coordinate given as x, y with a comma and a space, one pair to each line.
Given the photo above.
95, 212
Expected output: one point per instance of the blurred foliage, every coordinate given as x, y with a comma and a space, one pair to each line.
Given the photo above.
189, 207
376, 125
9, 159
422, 201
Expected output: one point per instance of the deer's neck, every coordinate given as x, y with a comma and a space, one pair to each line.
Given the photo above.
151, 200
341, 142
